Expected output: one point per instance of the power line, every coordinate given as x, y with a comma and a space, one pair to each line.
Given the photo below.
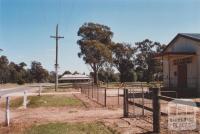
57, 37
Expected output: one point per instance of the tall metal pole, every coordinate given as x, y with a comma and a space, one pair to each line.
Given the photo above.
57, 37
1, 80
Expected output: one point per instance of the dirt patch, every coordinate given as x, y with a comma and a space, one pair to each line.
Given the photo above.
92, 112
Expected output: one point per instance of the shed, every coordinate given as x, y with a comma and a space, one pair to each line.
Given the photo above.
70, 78
181, 64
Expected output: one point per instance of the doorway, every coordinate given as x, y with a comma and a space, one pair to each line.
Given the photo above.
182, 76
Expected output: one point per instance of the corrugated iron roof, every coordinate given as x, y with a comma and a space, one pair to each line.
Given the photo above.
192, 35
74, 77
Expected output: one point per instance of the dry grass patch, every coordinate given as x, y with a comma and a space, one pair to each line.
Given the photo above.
47, 101
70, 128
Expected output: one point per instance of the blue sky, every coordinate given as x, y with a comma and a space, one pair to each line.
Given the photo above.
25, 25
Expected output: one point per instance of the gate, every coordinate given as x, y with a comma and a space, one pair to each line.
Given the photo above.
137, 102
152, 102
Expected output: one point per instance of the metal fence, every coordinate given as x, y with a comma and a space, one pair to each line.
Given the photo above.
139, 101
154, 103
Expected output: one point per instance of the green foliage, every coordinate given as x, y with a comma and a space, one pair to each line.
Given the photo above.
147, 67
17, 73
123, 60
108, 75
21, 82
39, 74
70, 128
94, 45
4, 70
67, 72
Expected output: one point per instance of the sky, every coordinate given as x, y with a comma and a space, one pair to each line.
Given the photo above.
26, 26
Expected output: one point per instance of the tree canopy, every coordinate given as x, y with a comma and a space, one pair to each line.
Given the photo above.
94, 45
146, 65
123, 60
133, 63
18, 73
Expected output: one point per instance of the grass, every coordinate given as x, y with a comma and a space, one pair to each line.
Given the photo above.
70, 128
47, 101
53, 100
60, 89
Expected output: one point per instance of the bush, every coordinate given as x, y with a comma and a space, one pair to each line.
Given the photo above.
20, 82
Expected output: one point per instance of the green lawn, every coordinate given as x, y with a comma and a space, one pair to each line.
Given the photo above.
47, 101
70, 128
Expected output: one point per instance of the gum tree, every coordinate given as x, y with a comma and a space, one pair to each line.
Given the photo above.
95, 45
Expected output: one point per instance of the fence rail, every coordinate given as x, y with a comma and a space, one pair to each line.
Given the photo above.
157, 104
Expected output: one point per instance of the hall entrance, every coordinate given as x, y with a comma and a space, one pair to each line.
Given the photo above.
182, 76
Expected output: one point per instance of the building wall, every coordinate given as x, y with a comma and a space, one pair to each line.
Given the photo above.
193, 69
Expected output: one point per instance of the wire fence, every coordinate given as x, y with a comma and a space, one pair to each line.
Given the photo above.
113, 96
108, 97
140, 101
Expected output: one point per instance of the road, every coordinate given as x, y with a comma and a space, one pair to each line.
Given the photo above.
32, 89
17, 90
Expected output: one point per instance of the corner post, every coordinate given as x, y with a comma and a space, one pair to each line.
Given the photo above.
156, 109
125, 107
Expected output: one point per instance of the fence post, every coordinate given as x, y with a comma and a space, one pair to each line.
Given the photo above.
7, 118
156, 109
40, 90
125, 103
25, 99
88, 91
97, 93
118, 97
92, 89
105, 97
142, 99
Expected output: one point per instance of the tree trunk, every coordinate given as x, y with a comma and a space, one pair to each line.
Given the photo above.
95, 77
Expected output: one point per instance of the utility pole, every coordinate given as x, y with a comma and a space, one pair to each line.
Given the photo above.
57, 37
1, 81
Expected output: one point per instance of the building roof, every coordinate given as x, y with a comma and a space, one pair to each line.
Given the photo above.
74, 77
160, 55
192, 36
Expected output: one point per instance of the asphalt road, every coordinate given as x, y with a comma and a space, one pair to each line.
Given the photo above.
17, 90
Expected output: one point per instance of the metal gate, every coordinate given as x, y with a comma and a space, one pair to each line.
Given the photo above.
137, 102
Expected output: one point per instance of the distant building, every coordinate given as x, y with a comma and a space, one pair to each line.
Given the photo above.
76, 78
181, 64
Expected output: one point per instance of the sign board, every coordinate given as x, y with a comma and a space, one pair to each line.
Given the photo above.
182, 116
183, 61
